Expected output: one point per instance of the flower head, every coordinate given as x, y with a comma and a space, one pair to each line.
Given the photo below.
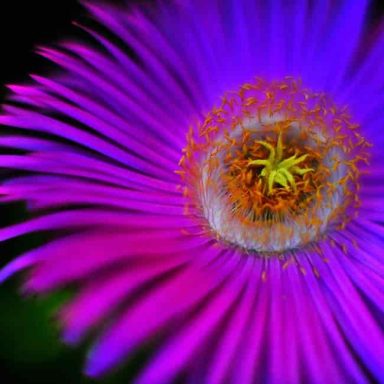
213, 173
275, 166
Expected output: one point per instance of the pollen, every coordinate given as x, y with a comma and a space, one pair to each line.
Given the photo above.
273, 168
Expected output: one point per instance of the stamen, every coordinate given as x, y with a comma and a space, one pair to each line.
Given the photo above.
278, 170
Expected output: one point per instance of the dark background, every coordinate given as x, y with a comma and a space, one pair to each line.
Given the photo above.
30, 350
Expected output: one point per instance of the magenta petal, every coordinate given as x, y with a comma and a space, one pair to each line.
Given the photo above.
92, 149
88, 309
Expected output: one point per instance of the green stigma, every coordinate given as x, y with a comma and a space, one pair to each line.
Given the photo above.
277, 170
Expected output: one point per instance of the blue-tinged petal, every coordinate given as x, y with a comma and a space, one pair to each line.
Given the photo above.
353, 371
352, 314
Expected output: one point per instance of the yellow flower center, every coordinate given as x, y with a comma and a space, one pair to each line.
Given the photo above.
273, 168
277, 170
266, 178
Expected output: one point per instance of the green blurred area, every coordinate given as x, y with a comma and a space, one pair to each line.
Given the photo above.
30, 347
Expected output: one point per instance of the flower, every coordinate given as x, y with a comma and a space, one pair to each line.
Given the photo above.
213, 172
276, 195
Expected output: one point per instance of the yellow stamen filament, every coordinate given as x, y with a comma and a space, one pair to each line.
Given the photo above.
276, 169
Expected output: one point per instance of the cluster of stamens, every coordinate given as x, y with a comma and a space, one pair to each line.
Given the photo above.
268, 178
274, 167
